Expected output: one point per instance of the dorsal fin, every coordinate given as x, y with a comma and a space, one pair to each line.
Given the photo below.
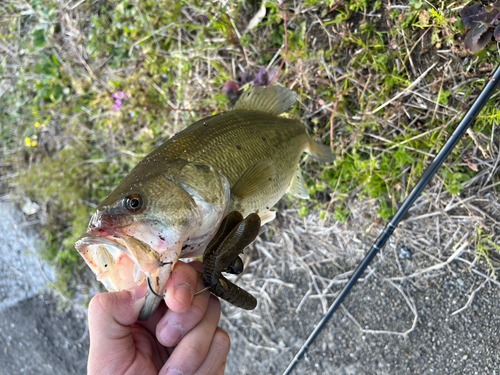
272, 99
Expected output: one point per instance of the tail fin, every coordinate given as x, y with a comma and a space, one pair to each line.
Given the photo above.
320, 152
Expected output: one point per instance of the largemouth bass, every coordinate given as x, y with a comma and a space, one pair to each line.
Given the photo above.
172, 203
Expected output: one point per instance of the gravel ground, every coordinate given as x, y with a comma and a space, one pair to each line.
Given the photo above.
38, 338
389, 324
18, 249
465, 343
426, 305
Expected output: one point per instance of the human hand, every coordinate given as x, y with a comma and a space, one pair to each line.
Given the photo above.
183, 339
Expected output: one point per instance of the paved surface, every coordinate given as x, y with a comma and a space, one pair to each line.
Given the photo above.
37, 336
23, 275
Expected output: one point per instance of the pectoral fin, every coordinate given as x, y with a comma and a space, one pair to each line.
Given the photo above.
254, 179
298, 187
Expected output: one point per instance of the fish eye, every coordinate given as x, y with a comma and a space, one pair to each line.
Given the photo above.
134, 203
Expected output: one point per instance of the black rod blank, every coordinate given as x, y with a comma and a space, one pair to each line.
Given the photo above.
466, 122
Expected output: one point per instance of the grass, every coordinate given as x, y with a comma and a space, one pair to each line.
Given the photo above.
64, 146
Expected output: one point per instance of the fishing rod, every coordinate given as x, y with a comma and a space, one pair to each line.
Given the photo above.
466, 122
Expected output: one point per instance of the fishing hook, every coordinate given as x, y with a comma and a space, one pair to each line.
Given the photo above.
201, 291
151, 289
149, 282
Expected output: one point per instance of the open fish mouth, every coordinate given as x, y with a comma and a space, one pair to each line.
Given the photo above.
121, 263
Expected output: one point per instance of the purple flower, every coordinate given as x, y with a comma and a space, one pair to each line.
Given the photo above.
119, 96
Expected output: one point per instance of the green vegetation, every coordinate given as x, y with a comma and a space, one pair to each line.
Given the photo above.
66, 143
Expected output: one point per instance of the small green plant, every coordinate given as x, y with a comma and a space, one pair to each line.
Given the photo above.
484, 247
453, 181
341, 214
303, 212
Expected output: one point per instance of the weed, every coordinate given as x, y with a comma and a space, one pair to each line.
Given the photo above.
168, 61
484, 247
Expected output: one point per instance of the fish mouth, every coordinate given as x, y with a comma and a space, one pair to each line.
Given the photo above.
122, 262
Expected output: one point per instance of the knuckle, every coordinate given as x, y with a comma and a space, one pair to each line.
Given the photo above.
194, 351
98, 303
222, 341
197, 310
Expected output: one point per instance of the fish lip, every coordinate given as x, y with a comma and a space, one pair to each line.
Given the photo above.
90, 238
94, 237
108, 217
150, 305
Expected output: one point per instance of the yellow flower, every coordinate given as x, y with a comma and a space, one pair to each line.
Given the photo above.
34, 143
37, 124
27, 141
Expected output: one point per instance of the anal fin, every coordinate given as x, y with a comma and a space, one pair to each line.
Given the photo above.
298, 187
267, 217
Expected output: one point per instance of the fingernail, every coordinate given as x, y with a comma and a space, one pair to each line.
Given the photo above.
171, 333
183, 294
173, 371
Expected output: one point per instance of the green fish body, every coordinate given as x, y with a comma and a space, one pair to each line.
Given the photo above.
175, 199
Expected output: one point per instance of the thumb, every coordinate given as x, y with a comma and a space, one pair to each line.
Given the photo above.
110, 318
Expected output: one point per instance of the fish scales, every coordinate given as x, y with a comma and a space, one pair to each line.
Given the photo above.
233, 142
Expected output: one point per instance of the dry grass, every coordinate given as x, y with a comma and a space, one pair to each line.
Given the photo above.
298, 268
